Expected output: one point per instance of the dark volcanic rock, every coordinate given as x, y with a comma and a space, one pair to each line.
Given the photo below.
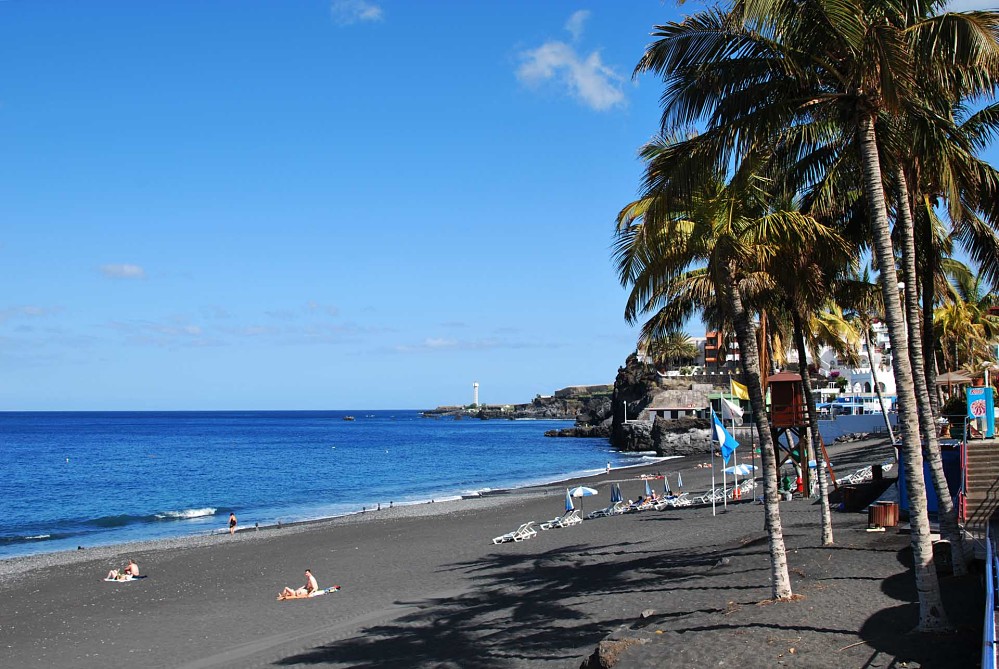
600, 431
686, 436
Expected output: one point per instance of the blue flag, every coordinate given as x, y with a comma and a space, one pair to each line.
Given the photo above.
726, 441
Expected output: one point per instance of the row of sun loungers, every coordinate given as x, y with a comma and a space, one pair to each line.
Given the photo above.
670, 501
720, 494
865, 473
527, 531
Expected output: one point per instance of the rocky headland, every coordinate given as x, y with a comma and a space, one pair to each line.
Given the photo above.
619, 412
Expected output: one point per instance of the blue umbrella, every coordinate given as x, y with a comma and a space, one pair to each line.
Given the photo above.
568, 502
666, 489
616, 495
648, 490
679, 480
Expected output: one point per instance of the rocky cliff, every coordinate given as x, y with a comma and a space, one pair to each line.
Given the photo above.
638, 387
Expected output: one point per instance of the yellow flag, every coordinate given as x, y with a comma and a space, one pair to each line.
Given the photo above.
739, 390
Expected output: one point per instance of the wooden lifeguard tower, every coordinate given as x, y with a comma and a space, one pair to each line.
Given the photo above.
788, 418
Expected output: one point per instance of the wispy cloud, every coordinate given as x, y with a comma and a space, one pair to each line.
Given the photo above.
584, 76
576, 23
348, 12
27, 311
164, 335
123, 271
322, 309
431, 344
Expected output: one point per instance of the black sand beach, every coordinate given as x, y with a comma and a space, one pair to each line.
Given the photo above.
424, 586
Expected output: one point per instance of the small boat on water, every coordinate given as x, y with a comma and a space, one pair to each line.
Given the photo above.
348, 418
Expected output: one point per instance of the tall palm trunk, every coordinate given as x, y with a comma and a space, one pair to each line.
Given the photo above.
947, 511
813, 432
929, 343
877, 385
780, 581
932, 616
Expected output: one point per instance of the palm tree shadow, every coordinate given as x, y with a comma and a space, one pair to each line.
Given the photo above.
525, 607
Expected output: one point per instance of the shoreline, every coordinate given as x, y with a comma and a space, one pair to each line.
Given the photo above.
17, 565
146, 544
424, 586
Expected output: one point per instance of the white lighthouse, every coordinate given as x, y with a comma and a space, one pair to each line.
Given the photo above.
475, 394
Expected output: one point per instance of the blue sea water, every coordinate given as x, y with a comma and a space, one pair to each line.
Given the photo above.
96, 478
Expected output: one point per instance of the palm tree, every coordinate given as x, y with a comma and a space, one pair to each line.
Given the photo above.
712, 245
835, 69
671, 349
965, 327
804, 282
949, 529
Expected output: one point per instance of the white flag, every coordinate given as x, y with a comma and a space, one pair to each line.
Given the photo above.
730, 410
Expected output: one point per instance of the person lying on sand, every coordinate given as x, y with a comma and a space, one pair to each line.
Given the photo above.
305, 591
131, 570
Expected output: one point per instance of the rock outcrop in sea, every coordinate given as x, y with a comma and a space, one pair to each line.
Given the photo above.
589, 406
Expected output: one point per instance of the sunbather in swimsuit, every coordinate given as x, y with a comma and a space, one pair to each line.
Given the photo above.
305, 591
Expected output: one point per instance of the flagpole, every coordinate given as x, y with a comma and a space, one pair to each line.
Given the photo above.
712, 477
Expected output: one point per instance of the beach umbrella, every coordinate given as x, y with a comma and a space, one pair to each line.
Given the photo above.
568, 502
679, 481
666, 489
616, 495
582, 491
648, 490
740, 470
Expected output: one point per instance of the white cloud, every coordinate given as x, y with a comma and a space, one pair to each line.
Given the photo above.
585, 77
348, 12
123, 271
576, 22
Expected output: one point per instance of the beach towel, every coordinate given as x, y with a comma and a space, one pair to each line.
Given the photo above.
127, 579
324, 591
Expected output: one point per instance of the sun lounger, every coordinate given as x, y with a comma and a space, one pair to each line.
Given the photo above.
562, 521
525, 531
672, 501
612, 510
637, 508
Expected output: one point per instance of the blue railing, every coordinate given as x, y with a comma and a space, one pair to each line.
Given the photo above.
989, 635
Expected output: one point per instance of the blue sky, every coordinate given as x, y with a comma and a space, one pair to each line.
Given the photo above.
314, 204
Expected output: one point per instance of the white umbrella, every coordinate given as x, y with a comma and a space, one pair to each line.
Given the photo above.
582, 491
741, 470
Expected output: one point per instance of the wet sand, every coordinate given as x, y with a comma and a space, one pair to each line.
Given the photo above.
424, 586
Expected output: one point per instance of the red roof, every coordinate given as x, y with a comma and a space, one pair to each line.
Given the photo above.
784, 376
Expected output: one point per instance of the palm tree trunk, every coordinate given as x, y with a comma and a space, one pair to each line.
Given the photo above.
877, 386
813, 432
932, 616
929, 298
947, 510
780, 581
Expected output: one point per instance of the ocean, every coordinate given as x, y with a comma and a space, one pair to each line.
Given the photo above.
96, 478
